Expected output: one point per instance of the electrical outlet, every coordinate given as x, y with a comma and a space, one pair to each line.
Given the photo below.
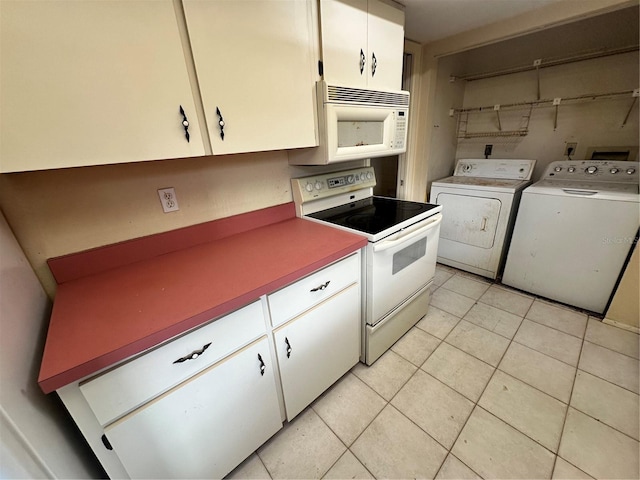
168, 199
570, 149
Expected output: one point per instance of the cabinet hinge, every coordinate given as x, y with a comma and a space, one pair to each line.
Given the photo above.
320, 68
106, 443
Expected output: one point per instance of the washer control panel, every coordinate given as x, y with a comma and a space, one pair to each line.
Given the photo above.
615, 171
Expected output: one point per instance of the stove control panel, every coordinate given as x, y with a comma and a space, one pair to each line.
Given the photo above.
615, 171
315, 187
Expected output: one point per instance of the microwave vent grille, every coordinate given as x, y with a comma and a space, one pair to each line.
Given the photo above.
362, 96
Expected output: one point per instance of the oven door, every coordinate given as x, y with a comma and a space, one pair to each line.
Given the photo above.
400, 265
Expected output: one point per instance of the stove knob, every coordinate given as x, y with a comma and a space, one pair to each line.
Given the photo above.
350, 179
591, 170
308, 187
614, 170
369, 175
631, 171
318, 185
571, 169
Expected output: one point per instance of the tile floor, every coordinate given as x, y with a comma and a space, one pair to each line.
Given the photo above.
491, 383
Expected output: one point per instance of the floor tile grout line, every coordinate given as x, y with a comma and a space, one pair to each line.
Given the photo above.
609, 381
612, 350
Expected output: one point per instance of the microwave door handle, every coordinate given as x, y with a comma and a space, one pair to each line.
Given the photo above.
388, 244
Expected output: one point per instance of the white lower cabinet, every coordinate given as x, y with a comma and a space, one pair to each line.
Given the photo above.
206, 426
318, 347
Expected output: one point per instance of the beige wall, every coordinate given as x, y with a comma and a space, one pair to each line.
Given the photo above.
625, 306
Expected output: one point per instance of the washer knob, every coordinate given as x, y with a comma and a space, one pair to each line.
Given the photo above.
591, 170
631, 171
614, 170
571, 169
557, 169
318, 185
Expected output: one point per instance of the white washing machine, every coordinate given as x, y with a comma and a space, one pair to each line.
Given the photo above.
574, 231
479, 205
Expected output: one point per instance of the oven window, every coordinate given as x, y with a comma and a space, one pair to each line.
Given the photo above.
357, 134
408, 255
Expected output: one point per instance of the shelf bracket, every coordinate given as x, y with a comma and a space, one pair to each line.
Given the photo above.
635, 94
496, 108
536, 63
556, 103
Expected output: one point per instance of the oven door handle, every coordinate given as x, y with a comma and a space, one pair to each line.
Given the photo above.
421, 230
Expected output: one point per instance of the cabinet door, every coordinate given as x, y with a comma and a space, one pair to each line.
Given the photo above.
256, 67
344, 35
88, 83
205, 427
317, 348
385, 45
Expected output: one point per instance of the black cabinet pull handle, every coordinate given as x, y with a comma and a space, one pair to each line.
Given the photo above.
374, 64
321, 287
262, 365
286, 341
363, 59
220, 123
106, 443
193, 355
185, 123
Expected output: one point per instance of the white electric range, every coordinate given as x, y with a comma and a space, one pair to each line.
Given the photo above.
399, 260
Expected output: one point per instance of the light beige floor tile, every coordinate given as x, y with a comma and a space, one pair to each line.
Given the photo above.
438, 322
563, 470
387, 375
479, 342
558, 317
304, 448
598, 449
607, 403
416, 345
556, 344
454, 469
466, 286
508, 300
451, 302
498, 321
461, 371
394, 447
611, 366
349, 407
441, 275
622, 341
532, 412
251, 468
545, 373
437, 409
348, 467
493, 449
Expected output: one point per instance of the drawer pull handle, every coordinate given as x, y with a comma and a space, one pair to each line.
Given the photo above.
286, 340
321, 287
262, 365
106, 443
193, 355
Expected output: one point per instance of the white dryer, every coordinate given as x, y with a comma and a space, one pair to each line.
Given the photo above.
479, 205
574, 232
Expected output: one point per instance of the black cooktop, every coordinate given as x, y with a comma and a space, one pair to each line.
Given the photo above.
373, 214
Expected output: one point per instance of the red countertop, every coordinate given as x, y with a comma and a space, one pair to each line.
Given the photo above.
102, 318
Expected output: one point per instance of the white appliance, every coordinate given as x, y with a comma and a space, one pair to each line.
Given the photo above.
574, 231
479, 202
355, 124
398, 262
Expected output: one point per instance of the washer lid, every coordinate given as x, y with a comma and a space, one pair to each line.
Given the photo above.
597, 190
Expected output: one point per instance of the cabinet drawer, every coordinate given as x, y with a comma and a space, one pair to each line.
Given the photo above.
304, 294
118, 391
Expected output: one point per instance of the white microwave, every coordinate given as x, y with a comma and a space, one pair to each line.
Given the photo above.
356, 124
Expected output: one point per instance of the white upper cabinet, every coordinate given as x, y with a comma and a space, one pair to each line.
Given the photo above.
362, 43
95, 82
256, 66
